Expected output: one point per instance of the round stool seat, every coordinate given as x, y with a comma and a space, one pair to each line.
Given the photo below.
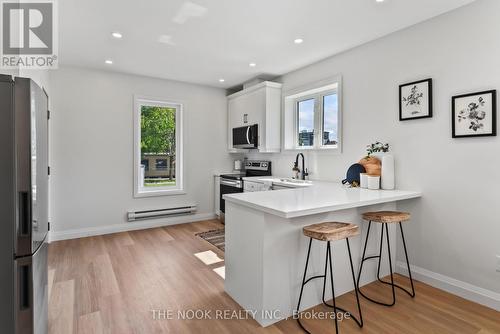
331, 231
386, 216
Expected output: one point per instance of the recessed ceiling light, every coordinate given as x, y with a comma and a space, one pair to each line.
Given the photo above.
298, 40
116, 35
221, 80
108, 61
379, 0
252, 64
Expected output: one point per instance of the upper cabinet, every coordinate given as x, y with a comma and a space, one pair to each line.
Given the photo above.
259, 104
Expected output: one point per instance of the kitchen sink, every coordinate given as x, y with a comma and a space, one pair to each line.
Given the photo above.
289, 182
296, 182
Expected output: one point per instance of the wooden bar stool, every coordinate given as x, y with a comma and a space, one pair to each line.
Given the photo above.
330, 232
384, 218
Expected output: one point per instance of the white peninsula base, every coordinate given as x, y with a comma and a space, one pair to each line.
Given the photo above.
265, 256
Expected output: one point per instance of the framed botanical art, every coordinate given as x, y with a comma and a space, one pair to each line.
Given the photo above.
474, 115
415, 100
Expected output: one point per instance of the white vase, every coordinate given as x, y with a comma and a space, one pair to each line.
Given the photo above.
387, 178
387, 181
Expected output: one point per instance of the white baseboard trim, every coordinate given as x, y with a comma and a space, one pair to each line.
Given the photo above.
465, 290
127, 226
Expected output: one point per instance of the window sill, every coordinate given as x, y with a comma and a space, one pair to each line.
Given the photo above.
314, 149
157, 193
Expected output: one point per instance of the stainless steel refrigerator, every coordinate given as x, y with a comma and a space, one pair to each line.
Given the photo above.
23, 206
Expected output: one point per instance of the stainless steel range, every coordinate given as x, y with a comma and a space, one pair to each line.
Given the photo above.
233, 183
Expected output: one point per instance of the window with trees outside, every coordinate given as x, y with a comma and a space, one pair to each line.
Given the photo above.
158, 148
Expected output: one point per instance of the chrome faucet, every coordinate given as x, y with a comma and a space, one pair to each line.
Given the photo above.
303, 172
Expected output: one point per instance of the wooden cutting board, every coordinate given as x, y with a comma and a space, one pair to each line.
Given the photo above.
372, 165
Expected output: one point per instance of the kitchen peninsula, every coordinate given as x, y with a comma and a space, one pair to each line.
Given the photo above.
266, 250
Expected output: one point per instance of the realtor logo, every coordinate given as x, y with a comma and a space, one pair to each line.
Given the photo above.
28, 34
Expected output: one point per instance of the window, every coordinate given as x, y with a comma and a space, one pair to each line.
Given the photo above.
312, 117
329, 121
305, 118
158, 148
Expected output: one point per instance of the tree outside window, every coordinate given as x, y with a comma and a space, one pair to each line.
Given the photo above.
158, 145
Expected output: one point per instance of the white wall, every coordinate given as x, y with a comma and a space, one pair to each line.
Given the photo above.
455, 230
41, 77
92, 148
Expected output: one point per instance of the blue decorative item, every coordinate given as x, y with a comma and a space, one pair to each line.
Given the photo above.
353, 177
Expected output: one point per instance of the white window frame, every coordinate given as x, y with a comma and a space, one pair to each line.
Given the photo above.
139, 191
316, 91
318, 122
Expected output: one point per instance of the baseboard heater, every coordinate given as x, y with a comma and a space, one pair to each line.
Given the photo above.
160, 213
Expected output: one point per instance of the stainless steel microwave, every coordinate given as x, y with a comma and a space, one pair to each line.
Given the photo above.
246, 137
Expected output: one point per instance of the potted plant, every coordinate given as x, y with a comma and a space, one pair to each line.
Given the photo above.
377, 147
380, 152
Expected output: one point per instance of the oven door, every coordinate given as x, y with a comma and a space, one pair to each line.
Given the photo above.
246, 137
228, 186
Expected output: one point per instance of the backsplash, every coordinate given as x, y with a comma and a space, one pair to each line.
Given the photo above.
321, 165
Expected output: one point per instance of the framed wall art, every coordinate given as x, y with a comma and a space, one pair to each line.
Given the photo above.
474, 115
415, 100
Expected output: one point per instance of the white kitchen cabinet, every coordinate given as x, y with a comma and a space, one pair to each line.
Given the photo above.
259, 104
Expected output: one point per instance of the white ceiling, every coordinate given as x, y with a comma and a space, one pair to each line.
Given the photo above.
203, 40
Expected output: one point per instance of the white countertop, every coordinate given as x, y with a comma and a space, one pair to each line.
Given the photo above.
318, 198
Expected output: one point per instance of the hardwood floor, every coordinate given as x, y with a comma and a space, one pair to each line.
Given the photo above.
111, 284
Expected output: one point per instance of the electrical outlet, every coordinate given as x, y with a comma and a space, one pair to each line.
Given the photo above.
498, 263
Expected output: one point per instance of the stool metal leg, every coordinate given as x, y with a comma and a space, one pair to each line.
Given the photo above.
302, 287
380, 251
363, 259
333, 289
390, 266
329, 265
412, 294
391, 283
328, 256
328, 261
364, 253
360, 321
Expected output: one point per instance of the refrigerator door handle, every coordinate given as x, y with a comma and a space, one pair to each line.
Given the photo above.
24, 295
24, 214
24, 287
23, 228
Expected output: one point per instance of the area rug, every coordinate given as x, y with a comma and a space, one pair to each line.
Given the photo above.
215, 237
